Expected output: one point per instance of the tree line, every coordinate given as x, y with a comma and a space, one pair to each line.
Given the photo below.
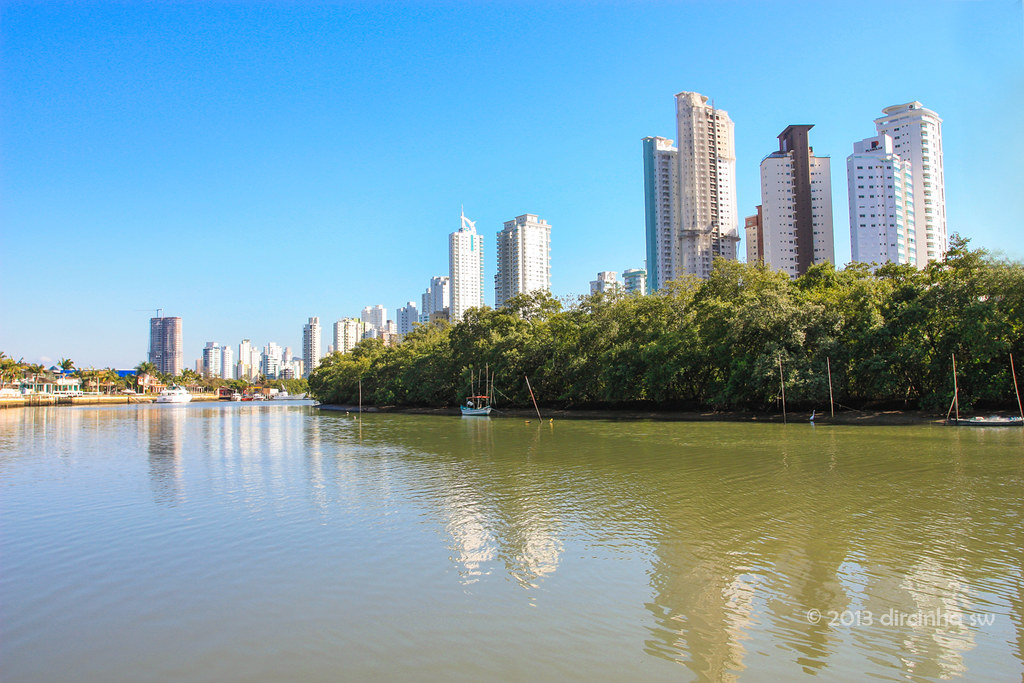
728, 342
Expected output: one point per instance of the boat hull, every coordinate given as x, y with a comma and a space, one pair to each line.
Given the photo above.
476, 412
174, 399
991, 422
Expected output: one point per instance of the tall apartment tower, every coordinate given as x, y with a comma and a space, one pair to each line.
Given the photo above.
165, 345
796, 200
212, 355
916, 135
466, 265
407, 315
347, 333
524, 258
311, 344
881, 192
375, 316
753, 227
660, 192
227, 362
436, 299
690, 193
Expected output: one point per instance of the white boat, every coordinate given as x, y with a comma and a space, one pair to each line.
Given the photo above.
174, 394
285, 396
236, 396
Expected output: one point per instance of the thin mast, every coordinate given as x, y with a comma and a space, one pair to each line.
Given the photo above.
532, 397
782, 382
956, 390
831, 407
1015, 390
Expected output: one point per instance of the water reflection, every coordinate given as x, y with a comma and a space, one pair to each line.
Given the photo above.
164, 431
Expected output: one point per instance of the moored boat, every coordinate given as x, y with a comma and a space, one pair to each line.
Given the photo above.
993, 421
174, 394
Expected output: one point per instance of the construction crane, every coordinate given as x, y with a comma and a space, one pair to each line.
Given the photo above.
147, 310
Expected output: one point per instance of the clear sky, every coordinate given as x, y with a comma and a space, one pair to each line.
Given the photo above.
246, 166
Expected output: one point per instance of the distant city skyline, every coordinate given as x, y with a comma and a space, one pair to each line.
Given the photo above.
147, 164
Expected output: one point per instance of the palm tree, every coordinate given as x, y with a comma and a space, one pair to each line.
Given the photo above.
66, 364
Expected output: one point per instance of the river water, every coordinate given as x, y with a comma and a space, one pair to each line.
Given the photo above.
248, 542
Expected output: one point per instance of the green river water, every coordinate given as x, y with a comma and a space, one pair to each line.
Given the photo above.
242, 542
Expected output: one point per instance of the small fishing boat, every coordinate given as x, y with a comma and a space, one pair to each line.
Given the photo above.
477, 405
236, 396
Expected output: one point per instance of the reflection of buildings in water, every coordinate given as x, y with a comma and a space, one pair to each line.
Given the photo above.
472, 541
940, 633
164, 429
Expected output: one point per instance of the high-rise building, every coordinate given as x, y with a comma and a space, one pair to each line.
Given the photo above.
407, 315
248, 360
660, 194
524, 258
690, 193
311, 344
635, 280
436, 299
466, 269
165, 345
753, 228
606, 283
347, 333
375, 316
212, 355
796, 196
881, 190
227, 362
271, 361
916, 135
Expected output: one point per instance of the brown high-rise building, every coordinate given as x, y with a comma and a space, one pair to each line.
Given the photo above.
165, 345
753, 227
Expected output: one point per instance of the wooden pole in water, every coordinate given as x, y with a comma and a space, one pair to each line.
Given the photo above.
956, 390
1015, 389
533, 397
782, 381
360, 395
831, 407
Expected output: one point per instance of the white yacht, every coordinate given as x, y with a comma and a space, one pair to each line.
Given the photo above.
174, 394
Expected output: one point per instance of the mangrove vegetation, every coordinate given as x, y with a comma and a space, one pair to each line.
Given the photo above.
888, 335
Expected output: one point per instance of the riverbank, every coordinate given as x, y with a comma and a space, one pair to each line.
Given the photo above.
112, 399
850, 417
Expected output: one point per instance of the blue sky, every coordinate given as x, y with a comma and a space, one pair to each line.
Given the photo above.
246, 166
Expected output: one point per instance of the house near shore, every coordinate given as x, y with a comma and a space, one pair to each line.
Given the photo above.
62, 386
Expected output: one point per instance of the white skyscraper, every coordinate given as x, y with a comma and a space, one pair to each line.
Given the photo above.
311, 344
246, 368
524, 258
916, 135
375, 316
271, 360
796, 196
211, 359
227, 362
436, 298
881, 192
347, 333
407, 315
690, 204
466, 265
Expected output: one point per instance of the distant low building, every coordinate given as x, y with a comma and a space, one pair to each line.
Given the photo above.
605, 283
635, 280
